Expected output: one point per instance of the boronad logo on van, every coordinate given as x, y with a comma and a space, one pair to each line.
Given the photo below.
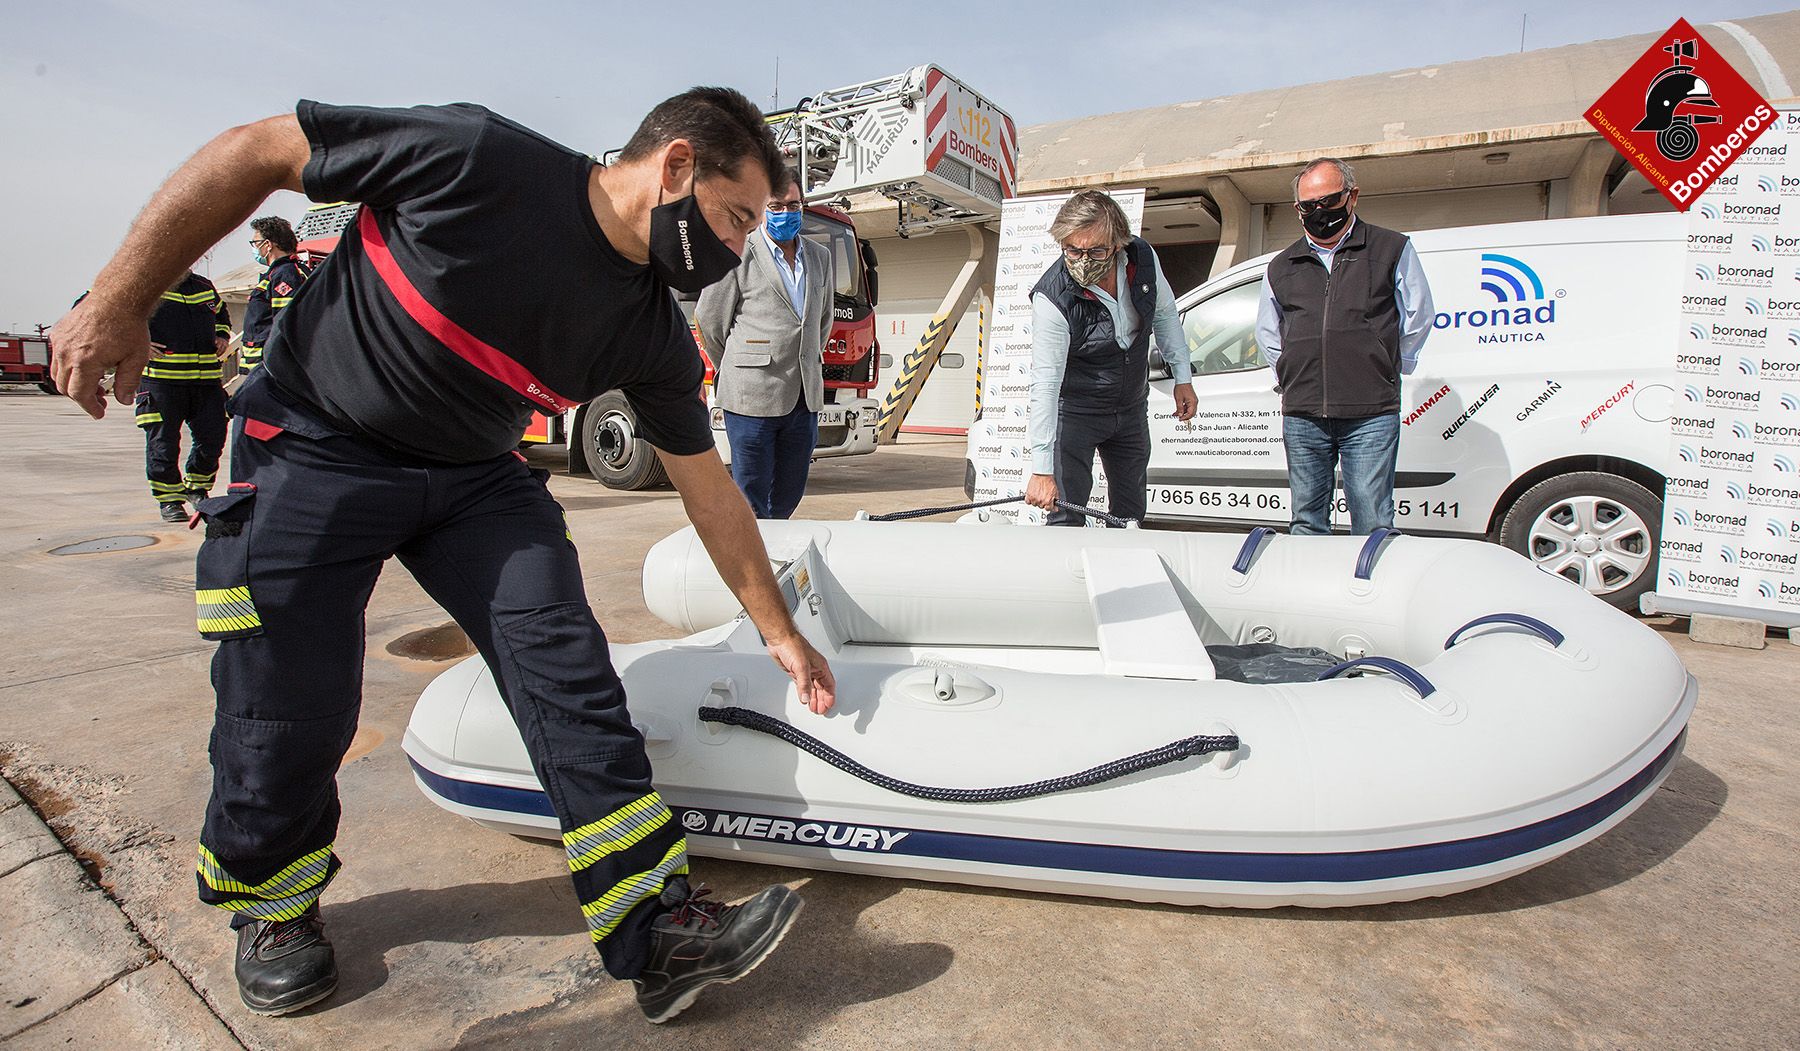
1681, 115
1523, 309
834, 834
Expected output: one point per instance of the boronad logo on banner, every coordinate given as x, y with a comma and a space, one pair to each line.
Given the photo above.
1731, 523
1681, 114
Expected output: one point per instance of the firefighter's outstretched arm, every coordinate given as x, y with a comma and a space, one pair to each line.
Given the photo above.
722, 518
208, 197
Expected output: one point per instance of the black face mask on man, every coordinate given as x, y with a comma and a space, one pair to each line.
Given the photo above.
1324, 223
684, 251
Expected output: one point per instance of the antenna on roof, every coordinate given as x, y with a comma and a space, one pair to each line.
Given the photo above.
1522, 20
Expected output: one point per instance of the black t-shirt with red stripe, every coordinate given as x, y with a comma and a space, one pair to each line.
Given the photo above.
474, 287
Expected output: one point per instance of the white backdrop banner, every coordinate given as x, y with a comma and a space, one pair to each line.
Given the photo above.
1731, 515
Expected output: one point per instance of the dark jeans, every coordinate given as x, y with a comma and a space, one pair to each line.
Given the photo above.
770, 457
1366, 448
1123, 441
163, 407
291, 555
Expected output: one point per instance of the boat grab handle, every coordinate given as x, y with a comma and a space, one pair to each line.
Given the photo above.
926, 512
1131, 764
1365, 559
1531, 624
1420, 684
1252, 544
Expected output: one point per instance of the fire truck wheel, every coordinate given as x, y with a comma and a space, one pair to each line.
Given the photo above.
616, 455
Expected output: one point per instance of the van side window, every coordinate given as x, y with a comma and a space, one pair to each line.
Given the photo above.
1221, 331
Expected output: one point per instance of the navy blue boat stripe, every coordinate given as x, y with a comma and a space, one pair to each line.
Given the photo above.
1346, 867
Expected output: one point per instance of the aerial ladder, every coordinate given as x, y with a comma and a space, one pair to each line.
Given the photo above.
944, 155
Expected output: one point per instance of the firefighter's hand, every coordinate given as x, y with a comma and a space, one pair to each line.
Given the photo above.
1186, 404
812, 677
1041, 491
89, 340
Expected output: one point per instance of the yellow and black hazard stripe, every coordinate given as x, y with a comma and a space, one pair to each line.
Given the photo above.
226, 613
980, 350
283, 896
906, 388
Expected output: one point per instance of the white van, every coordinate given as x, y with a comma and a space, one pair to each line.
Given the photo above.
1538, 416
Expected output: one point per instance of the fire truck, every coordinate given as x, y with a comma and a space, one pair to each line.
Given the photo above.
26, 359
605, 430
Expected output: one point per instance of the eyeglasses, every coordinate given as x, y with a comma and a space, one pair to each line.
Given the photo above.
1076, 255
254, 241
1333, 200
786, 206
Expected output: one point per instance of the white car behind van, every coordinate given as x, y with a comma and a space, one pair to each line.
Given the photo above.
1538, 417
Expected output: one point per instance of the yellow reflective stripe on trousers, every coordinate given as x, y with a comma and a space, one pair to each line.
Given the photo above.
148, 417
282, 896
226, 609
618, 830
182, 374
604, 914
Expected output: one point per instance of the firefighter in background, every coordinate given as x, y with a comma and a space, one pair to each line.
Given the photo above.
189, 334
274, 245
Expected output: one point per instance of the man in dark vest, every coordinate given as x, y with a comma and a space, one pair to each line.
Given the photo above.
1092, 315
1344, 313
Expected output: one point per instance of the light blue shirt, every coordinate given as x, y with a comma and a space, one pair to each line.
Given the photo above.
1411, 293
793, 278
1050, 353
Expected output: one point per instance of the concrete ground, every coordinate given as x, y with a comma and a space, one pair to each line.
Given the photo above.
1679, 928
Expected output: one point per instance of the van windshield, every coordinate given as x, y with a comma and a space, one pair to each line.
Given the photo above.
1221, 331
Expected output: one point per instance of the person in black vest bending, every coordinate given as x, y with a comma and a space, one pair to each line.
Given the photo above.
1344, 313
1092, 315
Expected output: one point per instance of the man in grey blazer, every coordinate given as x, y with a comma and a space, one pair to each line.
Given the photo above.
765, 326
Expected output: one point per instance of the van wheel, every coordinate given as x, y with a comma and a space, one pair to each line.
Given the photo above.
1597, 530
616, 455
969, 479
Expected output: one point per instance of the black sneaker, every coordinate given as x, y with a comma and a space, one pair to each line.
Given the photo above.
174, 512
701, 943
284, 965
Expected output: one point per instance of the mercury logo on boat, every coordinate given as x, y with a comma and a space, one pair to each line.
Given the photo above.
782, 830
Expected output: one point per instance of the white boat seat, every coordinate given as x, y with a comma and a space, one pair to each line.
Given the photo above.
1142, 626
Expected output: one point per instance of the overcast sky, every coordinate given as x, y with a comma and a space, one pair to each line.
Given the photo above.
99, 101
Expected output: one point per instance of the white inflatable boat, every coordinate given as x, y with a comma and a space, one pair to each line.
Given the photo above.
1478, 717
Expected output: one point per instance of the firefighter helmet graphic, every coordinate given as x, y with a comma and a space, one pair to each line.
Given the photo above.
1669, 102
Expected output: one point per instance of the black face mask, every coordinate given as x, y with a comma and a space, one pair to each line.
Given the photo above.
684, 251
1324, 223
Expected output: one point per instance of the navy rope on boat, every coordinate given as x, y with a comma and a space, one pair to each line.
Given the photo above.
1530, 624
926, 512
1174, 751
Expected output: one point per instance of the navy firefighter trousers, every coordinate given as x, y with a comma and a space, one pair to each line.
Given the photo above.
291, 555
